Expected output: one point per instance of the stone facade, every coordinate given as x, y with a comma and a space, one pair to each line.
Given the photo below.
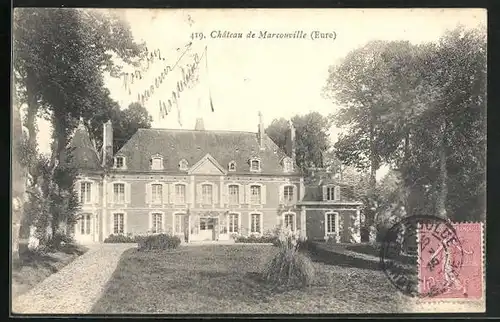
199, 185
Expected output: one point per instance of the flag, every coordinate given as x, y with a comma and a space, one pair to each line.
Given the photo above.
211, 105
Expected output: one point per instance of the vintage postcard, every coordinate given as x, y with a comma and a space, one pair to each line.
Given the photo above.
248, 161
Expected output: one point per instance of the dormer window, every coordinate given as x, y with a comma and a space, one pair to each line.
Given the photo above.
232, 166
156, 162
287, 165
120, 162
331, 193
183, 165
254, 165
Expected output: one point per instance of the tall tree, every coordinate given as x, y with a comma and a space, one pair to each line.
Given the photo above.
18, 177
125, 123
59, 59
431, 98
311, 138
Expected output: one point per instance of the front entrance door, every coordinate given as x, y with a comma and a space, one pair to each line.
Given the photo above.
208, 227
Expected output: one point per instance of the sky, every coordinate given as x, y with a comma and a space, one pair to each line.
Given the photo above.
278, 77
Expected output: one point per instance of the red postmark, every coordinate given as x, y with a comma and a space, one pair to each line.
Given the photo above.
451, 262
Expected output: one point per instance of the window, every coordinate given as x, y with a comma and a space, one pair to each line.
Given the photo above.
156, 223
157, 163
179, 223
255, 197
255, 225
232, 166
85, 192
331, 223
157, 193
255, 165
233, 223
120, 162
290, 221
183, 165
180, 194
288, 193
332, 193
206, 223
118, 224
85, 224
206, 194
234, 194
119, 192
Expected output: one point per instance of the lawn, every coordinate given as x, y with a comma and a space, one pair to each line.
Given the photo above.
225, 279
33, 267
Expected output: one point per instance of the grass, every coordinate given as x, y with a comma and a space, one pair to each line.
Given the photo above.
34, 267
227, 279
374, 250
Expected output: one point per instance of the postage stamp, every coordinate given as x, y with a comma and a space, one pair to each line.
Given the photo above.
450, 261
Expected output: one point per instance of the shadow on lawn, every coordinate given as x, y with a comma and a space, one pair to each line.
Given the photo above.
44, 259
320, 254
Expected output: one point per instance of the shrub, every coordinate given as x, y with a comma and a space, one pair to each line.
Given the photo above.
114, 239
256, 239
290, 267
158, 242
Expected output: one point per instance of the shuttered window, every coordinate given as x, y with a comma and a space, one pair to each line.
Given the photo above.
255, 223
180, 194
288, 193
157, 223
85, 192
207, 194
233, 223
119, 192
157, 193
290, 221
255, 195
234, 194
331, 223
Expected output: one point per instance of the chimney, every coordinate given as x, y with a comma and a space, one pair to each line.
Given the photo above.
261, 132
107, 144
292, 142
199, 125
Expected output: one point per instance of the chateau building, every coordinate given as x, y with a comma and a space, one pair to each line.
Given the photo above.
201, 185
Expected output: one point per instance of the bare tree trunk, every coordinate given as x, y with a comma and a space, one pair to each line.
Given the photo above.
31, 114
443, 173
18, 182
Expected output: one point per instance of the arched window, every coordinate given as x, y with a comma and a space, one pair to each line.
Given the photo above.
156, 162
254, 165
232, 166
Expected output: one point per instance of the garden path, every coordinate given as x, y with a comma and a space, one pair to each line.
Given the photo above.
76, 287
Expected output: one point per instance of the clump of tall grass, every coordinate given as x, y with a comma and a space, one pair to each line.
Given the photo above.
289, 267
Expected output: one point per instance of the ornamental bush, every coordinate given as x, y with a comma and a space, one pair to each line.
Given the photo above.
158, 242
256, 239
289, 267
114, 239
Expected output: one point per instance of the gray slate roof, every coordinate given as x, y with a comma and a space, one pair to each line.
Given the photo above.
85, 156
192, 145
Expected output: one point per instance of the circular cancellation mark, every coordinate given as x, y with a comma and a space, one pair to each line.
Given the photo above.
404, 258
